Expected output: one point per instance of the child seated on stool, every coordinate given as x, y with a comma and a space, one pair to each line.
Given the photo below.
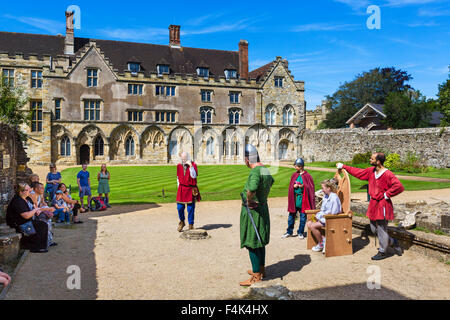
331, 204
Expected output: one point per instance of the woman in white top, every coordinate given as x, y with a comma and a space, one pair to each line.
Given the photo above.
331, 204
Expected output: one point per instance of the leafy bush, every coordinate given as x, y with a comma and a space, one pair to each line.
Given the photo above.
413, 164
393, 161
361, 158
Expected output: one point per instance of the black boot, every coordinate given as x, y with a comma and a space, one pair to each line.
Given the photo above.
380, 256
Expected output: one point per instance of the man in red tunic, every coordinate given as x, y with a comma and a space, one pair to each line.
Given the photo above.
383, 185
188, 193
301, 198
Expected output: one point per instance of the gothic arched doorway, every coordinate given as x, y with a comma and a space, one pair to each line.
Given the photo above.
85, 153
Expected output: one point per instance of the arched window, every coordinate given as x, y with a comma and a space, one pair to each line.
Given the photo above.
288, 116
226, 146
271, 116
235, 148
210, 147
65, 147
99, 147
235, 116
129, 147
283, 150
206, 115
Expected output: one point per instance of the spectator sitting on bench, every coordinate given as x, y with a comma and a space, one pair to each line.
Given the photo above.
331, 204
74, 205
62, 211
20, 214
37, 195
34, 178
5, 279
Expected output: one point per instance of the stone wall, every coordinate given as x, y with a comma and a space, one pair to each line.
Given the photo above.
430, 144
13, 166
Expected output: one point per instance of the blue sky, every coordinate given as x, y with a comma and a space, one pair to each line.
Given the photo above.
326, 42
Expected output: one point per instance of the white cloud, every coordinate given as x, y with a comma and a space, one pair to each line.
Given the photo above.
152, 34
324, 27
356, 5
43, 24
433, 13
402, 3
223, 27
423, 24
138, 34
201, 20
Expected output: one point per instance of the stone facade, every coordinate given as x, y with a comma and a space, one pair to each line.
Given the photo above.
315, 117
430, 144
64, 79
13, 166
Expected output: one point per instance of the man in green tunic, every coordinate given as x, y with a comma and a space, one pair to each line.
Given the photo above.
255, 236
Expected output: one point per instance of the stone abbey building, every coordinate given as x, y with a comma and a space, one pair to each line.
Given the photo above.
101, 101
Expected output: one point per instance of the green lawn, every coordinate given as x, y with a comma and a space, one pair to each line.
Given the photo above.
138, 185
432, 172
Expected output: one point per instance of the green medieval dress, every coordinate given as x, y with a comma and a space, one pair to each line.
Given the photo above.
260, 181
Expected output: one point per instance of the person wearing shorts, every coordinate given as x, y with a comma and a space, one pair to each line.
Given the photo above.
84, 186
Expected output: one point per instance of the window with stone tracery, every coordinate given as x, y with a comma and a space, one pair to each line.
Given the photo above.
288, 116
129, 147
271, 116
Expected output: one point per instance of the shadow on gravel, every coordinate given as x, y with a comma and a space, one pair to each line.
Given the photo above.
357, 291
46, 277
123, 209
283, 268
209, 227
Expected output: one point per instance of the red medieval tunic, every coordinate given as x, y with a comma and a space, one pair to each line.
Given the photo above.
309, 195
186, 184
387, 184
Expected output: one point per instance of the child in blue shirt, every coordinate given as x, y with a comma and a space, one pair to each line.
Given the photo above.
62, 210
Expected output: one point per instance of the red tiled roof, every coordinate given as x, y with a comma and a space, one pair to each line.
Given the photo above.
181, 61
259, 73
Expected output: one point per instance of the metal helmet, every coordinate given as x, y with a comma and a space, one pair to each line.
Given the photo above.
251, 153
299, 162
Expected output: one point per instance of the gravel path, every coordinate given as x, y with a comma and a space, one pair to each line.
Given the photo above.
134, 252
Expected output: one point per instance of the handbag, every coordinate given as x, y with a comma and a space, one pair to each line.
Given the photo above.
27, 229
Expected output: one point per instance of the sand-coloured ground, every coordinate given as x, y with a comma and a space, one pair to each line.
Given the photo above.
134, 252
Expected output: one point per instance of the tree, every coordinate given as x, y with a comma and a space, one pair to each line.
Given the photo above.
444, 102
405, 110
369, 87
12, 99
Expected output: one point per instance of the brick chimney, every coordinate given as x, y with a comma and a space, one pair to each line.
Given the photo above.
243, 59
174, 36
69, 42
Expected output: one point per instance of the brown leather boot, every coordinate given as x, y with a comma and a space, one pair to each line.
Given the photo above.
181, 225
256, 277
262, 270
191, 227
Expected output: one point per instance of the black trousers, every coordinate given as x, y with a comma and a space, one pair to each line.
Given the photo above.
40, 240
